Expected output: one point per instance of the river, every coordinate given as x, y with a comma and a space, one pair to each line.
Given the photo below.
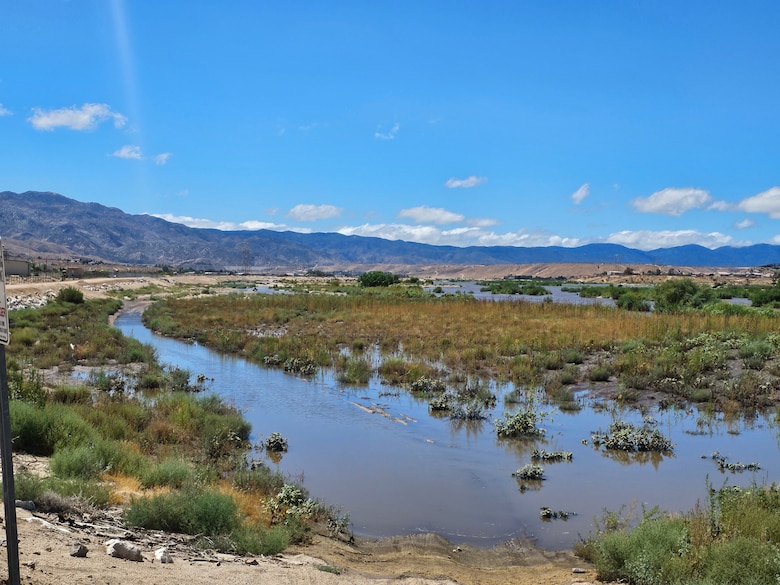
378, 454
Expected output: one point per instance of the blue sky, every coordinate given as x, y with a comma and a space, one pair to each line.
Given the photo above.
648, 124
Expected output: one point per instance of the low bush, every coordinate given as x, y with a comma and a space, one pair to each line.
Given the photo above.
257, 478
733, 540
190, 511
623, 436
522, 423
173, 473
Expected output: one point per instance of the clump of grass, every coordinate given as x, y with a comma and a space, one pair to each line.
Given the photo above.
521, 423
425, 385
257, 478
542, 455
203, 511
354, 370
600, 373
173, 473
623, 436
276, 442
67, 394
530, 471
53, 494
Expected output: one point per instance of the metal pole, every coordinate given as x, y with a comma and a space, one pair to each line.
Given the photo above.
7, 460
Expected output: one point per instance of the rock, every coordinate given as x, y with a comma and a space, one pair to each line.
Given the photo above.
163, 556
78, 550
579, 570
123, 550
25, 505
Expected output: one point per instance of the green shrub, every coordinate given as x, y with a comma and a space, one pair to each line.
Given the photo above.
258, 478
66, 394
41, 431
276, 442
89, 461
70, 294
189, 511
377, 278
252, 540
742, 561
522, 423
26, 386
354, 370
174, 473
645, 555
51, 494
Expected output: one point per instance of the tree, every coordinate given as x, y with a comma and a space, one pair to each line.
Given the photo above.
676, 295
377, 278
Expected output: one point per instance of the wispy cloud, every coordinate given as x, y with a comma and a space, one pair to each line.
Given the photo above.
437, 215
307, 212
87, 117
201, 223
766, 202
162, 158
673, 201
651, 240
388, 135
5, 111
482, 222
129, 151
466, 183
744, 224
580, 194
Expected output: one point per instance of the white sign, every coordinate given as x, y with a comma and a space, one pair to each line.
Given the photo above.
4, 335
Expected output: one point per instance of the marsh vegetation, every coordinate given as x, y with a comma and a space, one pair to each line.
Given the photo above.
690, 352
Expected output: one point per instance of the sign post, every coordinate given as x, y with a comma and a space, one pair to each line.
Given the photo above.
6, 456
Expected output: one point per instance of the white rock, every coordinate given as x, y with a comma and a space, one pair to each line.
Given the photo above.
163, 556
123, 550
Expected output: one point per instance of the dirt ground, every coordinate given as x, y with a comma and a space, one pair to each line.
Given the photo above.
45, 544
45, 547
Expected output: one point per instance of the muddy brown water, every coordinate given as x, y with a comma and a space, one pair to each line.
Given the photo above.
377, 453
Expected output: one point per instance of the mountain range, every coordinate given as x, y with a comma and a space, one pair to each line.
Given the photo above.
46, 225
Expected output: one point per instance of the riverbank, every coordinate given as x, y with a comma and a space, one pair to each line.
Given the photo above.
45, 548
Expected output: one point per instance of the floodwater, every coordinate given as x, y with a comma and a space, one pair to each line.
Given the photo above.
377, 453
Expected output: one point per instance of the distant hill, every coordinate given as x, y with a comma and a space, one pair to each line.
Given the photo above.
49, 224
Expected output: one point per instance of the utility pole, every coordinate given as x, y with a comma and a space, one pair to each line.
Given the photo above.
6, 456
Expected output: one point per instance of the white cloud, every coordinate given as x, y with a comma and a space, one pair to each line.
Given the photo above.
462, 236
162, 158
466, 183
482, 222
87, 117
651, 240
307, 212
388, 135
580, 194
129, 151
5, 111
195, 222
437, 215
744, 224
766, 202
673, 201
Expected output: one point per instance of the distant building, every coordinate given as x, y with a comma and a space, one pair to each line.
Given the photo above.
16, 267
